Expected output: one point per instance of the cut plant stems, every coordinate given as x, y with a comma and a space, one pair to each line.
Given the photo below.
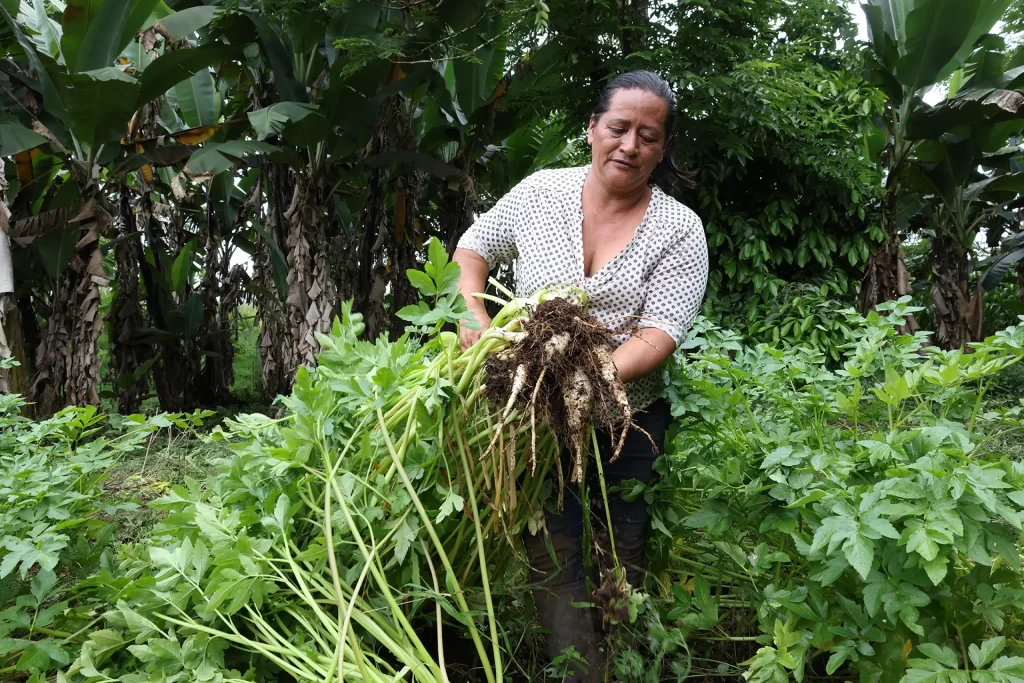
336, 535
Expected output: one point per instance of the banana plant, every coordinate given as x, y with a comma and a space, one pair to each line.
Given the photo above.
1009, 259
915, 44
966, 166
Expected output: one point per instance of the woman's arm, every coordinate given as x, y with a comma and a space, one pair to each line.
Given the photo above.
472, 280
643, 353
674, 294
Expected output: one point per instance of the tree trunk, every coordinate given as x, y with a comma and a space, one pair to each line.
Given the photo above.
274, 342
214, 340
404, 243
67, 363
371, 283
950, 274
129, 351
51, 353
633, 24
174, 372
311, 295
12, 380
456, 216
885, 274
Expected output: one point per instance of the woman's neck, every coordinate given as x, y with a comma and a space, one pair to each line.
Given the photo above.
608, 200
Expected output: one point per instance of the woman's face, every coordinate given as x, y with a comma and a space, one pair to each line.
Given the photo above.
628, 141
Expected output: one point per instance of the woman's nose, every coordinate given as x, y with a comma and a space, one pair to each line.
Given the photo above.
628, 143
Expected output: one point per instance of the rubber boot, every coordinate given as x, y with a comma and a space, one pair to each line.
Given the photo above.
560, 583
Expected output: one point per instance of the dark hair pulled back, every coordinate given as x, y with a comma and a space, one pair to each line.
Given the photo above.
648, 81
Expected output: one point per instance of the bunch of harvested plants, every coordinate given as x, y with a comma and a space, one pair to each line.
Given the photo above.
336, 538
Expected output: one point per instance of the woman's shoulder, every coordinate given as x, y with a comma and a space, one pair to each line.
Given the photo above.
673, 216
556, 179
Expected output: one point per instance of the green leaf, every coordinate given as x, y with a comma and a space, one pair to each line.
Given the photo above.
936, 31
475, 81
216, 158
998, 271
181, 269
860, 553
989, 650
172, 68
187, 21
453, 503
51, 95
143, 11
936, 568
422, 282
78, 17
16, 138
436, 254
100, 104
42, 583
48, 31
192, 315
940, 654
287, 86
274, 119
990, 12
198, 99
102, 42
33, 659
56, 248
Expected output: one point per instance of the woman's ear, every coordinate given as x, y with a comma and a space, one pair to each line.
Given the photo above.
590, 131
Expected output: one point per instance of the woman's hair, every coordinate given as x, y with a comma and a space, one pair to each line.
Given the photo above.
650, 82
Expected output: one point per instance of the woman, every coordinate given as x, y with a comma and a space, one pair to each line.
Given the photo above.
642, 258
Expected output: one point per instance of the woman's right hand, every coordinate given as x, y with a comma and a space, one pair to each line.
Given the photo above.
467, 336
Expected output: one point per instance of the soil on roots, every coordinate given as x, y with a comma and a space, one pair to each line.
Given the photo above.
561, 375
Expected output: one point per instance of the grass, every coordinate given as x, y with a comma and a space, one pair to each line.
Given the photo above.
248, 384
167, 461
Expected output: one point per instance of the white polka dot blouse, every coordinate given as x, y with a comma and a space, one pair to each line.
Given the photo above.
657, 280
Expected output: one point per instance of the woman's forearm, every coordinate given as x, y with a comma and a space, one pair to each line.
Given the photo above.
472, 280
473, 277
643, 353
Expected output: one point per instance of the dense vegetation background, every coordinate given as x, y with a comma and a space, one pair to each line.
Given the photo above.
286, 157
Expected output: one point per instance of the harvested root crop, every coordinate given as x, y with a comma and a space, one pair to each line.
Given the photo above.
560, 372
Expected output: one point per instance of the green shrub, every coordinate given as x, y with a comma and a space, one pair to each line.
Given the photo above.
56, 525
862, 517
803, 314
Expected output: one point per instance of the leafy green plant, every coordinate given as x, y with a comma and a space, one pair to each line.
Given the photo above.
56, 524
804, 314
856, 514
337, 537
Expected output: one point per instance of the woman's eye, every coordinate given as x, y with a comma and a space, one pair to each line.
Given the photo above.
649, 141
617, 131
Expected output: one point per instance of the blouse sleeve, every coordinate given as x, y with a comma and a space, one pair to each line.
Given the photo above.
493, 234
676, 286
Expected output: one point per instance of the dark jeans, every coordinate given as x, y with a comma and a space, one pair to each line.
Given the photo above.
558, 572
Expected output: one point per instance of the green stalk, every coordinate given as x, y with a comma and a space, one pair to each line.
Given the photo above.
604, 498
459, 597
484, 579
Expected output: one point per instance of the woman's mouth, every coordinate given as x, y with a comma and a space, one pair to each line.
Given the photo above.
623, 163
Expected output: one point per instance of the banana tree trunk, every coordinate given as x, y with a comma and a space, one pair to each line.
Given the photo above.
885, 274
274, 342
67, 362
129, 351
311, 295
405, 240
174, 371
12, 380
950, 296
214, 341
